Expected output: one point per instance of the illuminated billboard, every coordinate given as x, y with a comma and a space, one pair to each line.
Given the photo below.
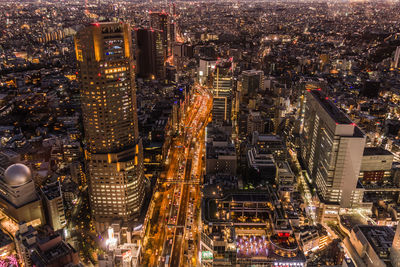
206, 255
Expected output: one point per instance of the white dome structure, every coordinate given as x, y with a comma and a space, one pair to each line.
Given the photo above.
18, 195
17, 175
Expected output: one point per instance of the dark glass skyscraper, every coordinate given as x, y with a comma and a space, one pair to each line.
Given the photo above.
150, 56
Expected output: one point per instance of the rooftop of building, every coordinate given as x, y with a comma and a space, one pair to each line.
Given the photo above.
284, 168
52, 191
375, 151
249, 199
349, 221
330, 107
207, 58
214, 150
105, 23
260, 157
252, 72
215, 134
379, 237
224, 64
44, 258
268, 138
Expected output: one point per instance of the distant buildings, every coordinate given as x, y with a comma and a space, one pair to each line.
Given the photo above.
331, 149
161, 21
114, 153
291, 42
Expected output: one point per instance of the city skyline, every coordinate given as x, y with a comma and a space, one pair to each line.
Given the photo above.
199, 133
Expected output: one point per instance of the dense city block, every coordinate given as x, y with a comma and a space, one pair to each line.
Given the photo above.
199, 133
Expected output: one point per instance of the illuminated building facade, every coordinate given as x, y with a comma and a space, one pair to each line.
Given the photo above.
332, 148
222, 90
376, 165
150, 56
246, 228
114, 156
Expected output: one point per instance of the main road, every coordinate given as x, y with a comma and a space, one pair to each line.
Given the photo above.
168, 232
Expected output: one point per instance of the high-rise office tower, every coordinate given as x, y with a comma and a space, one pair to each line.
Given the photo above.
114, 156
222, 92
150, 56
160, 21
331, 148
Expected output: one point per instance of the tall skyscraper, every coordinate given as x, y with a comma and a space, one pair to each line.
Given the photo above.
113, 153
160, 21
331, 148
222, 92
150, 56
